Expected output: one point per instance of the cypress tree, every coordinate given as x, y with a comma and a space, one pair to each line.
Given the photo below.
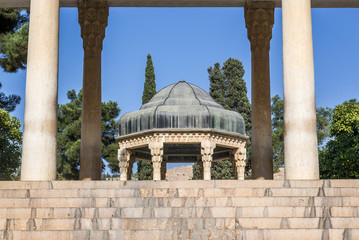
145, 169
217, 85
149, 89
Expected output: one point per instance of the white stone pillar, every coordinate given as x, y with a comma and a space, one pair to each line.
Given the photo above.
40, 119
259, 16
93, 16
157, 157
300, 136
207, 148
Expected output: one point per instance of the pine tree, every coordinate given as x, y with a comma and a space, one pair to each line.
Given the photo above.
145, 169
14, 29
69, 136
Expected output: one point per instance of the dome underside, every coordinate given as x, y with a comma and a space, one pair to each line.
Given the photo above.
181, 106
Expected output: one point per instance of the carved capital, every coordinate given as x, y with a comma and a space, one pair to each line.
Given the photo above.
239, 158
124, 158
156, 153
93, 17
207, 148
259, 17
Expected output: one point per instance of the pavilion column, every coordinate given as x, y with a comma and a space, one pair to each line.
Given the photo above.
157, 157
40, 119
207, 148
300, 135
124, 158
93, 17
239, 161
259, 18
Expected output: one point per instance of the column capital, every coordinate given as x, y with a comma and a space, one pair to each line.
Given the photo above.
124, 158
156, 148
239, 157
207, 148
93, 18
259, 17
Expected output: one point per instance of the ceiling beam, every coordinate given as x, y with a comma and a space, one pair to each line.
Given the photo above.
186, 3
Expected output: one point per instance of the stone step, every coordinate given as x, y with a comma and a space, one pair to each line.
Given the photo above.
180, 212
179, 192
179, 184
253, 234
180, 202
163, 223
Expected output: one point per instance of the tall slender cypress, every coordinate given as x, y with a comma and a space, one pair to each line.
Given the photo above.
145, 169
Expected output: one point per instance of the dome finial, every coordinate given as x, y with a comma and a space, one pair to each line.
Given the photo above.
182, 81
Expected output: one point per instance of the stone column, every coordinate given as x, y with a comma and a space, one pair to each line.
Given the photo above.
93, 20
300, 135
259, 18
40, 119
207, 148
124, 158
157, 155
239, 159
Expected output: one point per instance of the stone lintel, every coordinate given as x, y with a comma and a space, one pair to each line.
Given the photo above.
135, 141
185, 3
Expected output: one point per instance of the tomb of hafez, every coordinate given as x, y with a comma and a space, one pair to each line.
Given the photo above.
181, 123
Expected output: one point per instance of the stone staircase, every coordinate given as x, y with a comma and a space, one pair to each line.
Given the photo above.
225, 209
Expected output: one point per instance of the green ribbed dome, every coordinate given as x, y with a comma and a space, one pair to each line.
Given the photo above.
181, 106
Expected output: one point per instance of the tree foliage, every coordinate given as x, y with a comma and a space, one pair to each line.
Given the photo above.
340, 157
228, 88
277, 132
69, 135
145, 169
8, 103
14, 29
10, 146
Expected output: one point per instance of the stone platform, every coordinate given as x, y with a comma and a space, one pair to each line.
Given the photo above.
225, 209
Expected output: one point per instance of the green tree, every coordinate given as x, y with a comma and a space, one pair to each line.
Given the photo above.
14, 29
277, 132
8, 103
145, 169
149, 88
228, 88
217, 84
69, 136
10, 146
340, 156
323, 123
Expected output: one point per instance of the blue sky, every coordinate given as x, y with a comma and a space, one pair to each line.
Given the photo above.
184, 42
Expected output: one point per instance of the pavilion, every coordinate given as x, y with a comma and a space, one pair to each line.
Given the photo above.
39, 142
181, 124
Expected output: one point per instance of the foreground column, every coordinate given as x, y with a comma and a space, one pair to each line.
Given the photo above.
40, 119
93, 20
300, 135
259, 18
207, 148
157, 157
